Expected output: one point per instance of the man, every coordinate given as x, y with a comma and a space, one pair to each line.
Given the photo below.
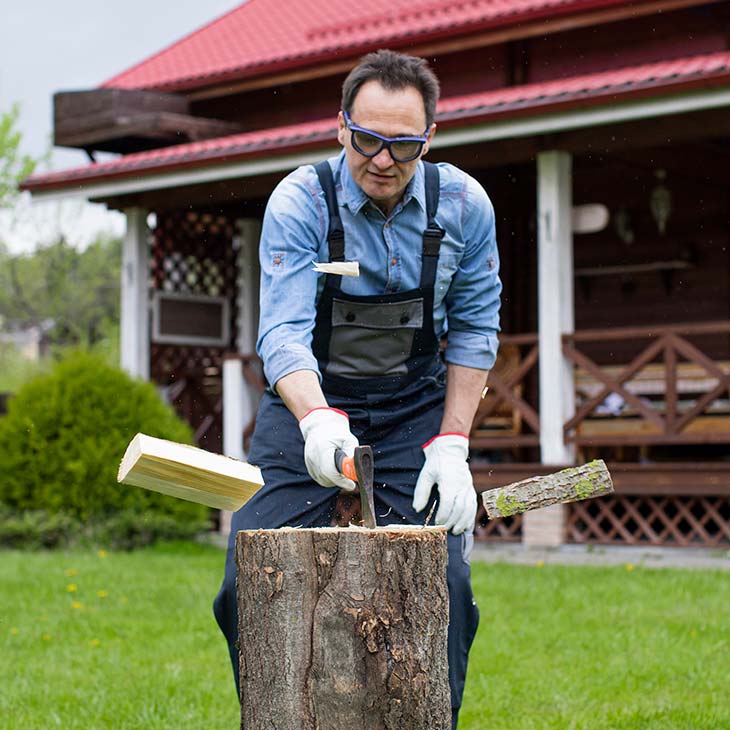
357, 359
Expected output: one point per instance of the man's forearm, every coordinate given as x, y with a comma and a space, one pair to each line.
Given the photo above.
301, 392
464, 388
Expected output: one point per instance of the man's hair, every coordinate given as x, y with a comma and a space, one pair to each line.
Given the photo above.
393, 71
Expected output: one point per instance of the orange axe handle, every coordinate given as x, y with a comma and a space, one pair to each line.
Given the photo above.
346, 467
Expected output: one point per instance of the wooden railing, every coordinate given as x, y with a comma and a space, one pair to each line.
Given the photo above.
670, 393
505, 417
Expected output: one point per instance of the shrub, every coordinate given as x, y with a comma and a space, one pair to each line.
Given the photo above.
65, 433
37, 529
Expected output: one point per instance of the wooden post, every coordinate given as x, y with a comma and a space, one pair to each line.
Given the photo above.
343, 628
134, 325
555, 318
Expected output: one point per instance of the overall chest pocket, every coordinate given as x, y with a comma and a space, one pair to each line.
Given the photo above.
373, 339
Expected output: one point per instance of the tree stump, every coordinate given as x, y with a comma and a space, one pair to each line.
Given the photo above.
343, 628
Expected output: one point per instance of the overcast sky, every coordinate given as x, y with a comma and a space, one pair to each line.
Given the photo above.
48, 46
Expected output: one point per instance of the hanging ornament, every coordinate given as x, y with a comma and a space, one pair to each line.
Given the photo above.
661, 202
622, 226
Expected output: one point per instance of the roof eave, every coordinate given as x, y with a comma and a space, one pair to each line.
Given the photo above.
455, 129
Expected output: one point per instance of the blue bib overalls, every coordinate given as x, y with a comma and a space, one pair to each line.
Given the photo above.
379, 360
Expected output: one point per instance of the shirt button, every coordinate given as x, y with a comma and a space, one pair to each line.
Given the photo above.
394, 261
405, 319
277, 260
350, 316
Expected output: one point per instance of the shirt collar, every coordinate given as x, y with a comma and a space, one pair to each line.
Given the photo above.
355, 198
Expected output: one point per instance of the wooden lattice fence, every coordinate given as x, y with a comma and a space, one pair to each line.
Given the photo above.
682, 521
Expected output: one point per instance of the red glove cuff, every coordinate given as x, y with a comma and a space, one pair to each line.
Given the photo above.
324, 408
439, 435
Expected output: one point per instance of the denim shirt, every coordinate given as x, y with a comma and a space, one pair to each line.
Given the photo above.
388, 249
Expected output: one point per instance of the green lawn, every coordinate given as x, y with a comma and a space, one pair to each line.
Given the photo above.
127, 640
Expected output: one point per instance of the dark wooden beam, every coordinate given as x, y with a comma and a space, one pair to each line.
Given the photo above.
123, 120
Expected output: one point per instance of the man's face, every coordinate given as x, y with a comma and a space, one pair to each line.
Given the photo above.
393, 114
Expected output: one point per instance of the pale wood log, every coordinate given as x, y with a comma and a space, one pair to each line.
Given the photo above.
569, 485
343, 628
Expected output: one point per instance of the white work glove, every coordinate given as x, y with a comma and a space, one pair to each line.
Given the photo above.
446, 467
325, 430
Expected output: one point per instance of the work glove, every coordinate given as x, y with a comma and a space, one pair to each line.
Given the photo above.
325, 430
446, 467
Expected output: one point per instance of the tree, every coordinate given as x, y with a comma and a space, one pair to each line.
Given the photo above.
14, 166
76, 291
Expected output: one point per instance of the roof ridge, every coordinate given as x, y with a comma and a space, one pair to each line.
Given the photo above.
273, 35
437, 7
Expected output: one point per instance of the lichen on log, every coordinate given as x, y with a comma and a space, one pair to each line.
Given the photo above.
569, 485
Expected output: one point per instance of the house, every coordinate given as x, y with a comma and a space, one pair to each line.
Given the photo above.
600, 129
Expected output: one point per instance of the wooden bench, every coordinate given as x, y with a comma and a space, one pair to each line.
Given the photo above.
618, 420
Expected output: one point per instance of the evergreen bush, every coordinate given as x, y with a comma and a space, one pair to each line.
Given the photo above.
63, 438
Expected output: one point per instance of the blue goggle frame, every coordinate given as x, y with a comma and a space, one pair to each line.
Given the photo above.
385, 142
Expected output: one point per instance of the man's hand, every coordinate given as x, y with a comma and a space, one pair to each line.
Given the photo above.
325, 430
446, 467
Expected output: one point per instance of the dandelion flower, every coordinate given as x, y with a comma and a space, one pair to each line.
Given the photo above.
629, 567
77, 604
71, 572
14, 631
95, 643
540, 563
102, 553
46, 637
102, 594
72, 587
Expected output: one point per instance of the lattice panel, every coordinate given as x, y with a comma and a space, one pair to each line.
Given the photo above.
194, 252
698, 521
507, 529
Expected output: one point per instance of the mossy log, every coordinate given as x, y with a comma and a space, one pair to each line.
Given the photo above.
569, 485
343, 628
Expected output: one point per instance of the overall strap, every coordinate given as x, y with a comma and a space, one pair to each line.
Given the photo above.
434, 233
336, 233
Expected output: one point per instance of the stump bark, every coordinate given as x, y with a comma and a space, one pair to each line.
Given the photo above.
569, 485
343, 628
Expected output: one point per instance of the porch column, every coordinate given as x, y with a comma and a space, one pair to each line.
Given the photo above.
134, 329
556, 317
240, 400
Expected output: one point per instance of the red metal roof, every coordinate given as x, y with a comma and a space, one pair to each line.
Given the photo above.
263, 36
654, 79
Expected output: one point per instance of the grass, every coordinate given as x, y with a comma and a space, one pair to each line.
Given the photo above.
134, 645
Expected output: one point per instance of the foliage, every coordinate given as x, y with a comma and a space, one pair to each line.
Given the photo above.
65, 433
76, 293
564, 648
125, 530
14, 166
15, 368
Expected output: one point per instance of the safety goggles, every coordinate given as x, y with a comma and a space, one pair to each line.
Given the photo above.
369, 143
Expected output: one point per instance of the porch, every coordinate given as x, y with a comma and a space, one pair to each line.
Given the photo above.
660, 417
